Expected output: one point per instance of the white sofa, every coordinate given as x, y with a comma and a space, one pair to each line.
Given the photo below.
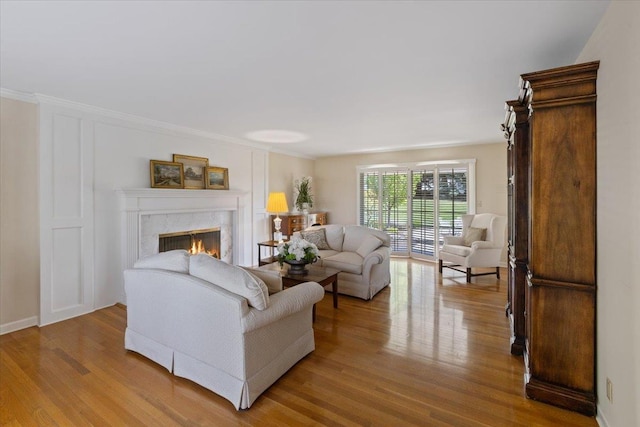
361, 254
231, 337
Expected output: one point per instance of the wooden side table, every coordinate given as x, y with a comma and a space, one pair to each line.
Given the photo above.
298, 222
271, 244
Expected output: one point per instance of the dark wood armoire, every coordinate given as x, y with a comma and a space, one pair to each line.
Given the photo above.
551, 132
516, 128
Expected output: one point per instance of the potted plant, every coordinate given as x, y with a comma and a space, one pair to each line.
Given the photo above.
304, 200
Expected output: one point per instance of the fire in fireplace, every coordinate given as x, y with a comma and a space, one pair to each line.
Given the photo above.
195, 241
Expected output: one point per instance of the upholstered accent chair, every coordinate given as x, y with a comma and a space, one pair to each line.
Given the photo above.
481, 245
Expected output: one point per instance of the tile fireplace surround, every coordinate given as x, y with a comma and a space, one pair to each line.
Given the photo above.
148, 212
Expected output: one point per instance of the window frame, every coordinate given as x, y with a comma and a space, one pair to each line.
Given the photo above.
408, 169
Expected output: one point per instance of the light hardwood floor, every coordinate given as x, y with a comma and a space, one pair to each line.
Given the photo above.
426, 351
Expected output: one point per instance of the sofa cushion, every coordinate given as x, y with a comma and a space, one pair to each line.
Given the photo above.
355, 234
177, 260
326, 253
368, 245
335, 236
349, 262
456, 250
233, 279
317, 237
474, 234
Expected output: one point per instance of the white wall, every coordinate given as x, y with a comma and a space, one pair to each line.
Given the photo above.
616, 43
337, 178
283, 170
19, 245
122, 156
120, 148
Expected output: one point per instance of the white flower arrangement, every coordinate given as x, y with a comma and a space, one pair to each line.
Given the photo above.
297, 249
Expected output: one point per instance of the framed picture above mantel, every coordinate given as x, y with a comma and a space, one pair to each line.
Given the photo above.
217, 178
189, 172
195, 169
166, 174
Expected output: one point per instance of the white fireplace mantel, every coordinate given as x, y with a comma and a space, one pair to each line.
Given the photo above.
137, 202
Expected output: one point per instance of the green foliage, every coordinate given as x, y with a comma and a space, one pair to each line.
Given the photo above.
394, 190
304, 192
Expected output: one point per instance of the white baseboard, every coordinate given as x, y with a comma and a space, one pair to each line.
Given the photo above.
18, 324
600, 419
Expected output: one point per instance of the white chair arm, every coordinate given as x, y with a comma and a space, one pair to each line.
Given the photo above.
283, 304
484, 245
453, 240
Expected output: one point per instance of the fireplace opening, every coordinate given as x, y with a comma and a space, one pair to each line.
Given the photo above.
195, 241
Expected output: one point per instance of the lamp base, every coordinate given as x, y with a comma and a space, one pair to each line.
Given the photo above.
277, 235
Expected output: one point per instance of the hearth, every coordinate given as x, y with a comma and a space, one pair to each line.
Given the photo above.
194, 241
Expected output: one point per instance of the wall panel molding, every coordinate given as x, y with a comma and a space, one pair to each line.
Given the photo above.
66, 214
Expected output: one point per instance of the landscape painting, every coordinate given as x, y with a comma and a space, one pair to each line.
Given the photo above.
195, 169
166, 174
217, 178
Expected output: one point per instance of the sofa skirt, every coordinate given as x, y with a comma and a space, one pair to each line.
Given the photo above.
239, 391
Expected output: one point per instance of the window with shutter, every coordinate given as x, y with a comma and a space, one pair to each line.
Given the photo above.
417, 204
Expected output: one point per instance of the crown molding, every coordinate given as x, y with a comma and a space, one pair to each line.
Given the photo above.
18, 96
91, 109
291, 153
38, 98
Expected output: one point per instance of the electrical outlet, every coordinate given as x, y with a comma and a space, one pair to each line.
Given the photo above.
609, 390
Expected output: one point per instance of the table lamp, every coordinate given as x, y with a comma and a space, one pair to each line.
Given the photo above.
277, 204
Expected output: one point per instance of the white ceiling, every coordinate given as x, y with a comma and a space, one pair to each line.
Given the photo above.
352, 76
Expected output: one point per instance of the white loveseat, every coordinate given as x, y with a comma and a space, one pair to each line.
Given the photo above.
361, 254
232, 337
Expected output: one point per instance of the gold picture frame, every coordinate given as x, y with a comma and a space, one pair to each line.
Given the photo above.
166, 174
195, 170
217, 178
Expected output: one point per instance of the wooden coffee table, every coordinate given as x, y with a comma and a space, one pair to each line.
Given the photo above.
321, 275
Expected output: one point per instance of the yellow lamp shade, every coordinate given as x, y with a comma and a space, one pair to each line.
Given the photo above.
277, 203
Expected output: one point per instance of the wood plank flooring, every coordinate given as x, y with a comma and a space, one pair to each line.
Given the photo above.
428, 351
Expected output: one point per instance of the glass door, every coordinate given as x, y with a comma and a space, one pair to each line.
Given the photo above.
370, 200
395, 213
423, 213
416, 204
452, 200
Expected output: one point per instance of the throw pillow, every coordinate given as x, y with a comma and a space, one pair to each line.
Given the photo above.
270, 278
368, 245
474, 235
177, 260
233, 279
317, 237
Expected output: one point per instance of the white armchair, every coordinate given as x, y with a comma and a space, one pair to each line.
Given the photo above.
481, 244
